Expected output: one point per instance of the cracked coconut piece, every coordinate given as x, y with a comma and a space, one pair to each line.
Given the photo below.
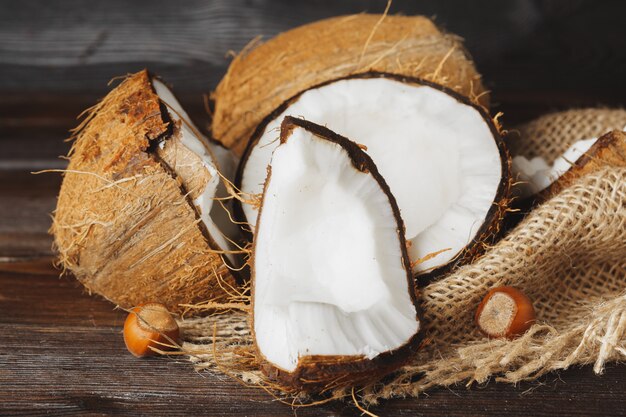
332, 291
125, 224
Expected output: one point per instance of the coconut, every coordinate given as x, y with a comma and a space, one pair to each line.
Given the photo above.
135, 220
262, 77
332, 294
538, 180
441, 155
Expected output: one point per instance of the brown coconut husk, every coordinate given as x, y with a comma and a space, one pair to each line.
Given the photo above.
124, 223
568, 256
265, 75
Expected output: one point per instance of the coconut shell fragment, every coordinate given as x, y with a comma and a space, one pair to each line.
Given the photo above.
124, 224
263, 76
608, 150
332, 291
538, 181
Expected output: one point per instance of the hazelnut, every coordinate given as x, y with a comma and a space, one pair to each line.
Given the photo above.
150, 326
505, 312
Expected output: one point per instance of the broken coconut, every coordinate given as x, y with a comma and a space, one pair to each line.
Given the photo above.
538, 178
332, 294
135, 218
441, 155
263, 76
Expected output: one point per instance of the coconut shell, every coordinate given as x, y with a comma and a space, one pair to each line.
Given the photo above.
124, 224
260, 79
608, 150
489, 232
321, 373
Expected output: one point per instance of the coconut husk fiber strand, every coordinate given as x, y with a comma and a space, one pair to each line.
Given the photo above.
263, 76
124, 225
568, 255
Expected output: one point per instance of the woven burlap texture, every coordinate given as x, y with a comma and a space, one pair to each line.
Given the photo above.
550, 135
568, 255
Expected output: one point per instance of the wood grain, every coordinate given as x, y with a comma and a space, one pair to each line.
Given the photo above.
62, 353
26, 202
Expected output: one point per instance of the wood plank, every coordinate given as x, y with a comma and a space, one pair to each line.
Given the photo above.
35, 127
62, 353
57, 58
74, 46
26, 202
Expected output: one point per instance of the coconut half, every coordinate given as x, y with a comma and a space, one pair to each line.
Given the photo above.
536, 177
135, 220
264, 75
441, 155
332, 294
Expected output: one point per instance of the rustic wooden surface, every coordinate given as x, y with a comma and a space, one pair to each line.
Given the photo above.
61, 351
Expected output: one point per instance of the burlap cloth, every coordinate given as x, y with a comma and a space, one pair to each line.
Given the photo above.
568, 255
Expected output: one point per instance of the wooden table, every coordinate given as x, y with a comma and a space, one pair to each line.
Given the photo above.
61, 351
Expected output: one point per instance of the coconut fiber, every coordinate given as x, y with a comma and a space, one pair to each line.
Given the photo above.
568, 255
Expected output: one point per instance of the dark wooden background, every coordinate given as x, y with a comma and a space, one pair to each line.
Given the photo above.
61, 352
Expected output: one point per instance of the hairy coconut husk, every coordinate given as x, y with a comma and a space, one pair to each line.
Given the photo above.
323, 373
260, 79
124, 223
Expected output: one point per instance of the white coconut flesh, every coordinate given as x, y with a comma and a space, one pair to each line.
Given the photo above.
535, 175
328, 267
214, 216
437, 154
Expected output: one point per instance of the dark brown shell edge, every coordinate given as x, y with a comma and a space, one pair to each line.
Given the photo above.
322, 373
491, 228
